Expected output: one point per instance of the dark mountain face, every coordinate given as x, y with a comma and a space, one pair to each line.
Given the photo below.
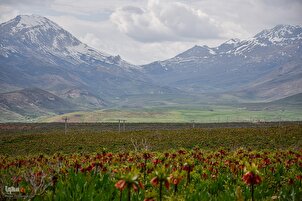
253, 68
34, 102
35, 52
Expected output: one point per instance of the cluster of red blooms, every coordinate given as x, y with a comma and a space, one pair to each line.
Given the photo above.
122, 184
155, 181
250, 178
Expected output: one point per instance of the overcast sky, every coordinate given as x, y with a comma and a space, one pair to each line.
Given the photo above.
142, 31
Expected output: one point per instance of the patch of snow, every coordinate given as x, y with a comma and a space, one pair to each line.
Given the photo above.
275, 39
212, 51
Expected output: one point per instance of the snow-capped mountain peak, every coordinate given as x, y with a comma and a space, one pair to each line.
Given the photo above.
38, 31
232, 41
280, 34
39, 35
35, 32
197, 51
30, 21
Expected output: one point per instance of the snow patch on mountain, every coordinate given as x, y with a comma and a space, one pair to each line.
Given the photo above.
232, 41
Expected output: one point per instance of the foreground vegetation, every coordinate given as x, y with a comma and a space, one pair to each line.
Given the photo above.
173, 175
258, 163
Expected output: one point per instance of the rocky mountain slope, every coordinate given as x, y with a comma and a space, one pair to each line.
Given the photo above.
36, 52
267, 66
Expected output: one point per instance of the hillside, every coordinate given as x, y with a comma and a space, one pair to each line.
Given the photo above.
293, 103
36, 52
265, 67
32, 103
291, 100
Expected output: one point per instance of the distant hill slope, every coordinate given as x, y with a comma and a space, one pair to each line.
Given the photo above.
33, 103
293, 102
290, 100
10, 116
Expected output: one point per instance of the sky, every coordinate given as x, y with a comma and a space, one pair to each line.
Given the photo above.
143, 31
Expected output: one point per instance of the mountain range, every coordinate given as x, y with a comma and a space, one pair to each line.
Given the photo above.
267, 66
39, 59
36, 52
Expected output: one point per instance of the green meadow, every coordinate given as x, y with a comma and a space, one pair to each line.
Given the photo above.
207, 114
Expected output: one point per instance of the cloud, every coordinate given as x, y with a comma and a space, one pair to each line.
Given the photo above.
91, 39
165, 21
26, 2
88, 7
7, 13
244, 18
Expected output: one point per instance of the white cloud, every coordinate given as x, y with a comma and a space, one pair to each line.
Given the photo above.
91, 39
87, 7
7, 13
165, 21
251, 16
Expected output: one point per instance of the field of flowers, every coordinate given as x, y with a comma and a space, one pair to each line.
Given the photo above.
268, 172
174, 175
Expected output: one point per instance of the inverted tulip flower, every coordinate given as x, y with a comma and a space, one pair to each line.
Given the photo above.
175, 178
251, 177
160, 178
129, 181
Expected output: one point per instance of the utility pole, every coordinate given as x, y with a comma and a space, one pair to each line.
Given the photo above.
193, 124
119, 125
65, 120
124, 125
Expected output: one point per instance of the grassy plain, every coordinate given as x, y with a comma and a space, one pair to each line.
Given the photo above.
23, 139
205, 114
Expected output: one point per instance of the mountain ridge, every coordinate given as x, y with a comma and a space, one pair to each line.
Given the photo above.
37, 53
233, 65
42, 54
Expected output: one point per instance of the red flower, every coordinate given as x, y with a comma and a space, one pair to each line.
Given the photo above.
188, 167
175, 181
121, 185
134, 186
154, 181
22, 190
141, 185
146, 156
251, 179
167, 184
149, 199
156, 161
181, 152
17, 179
